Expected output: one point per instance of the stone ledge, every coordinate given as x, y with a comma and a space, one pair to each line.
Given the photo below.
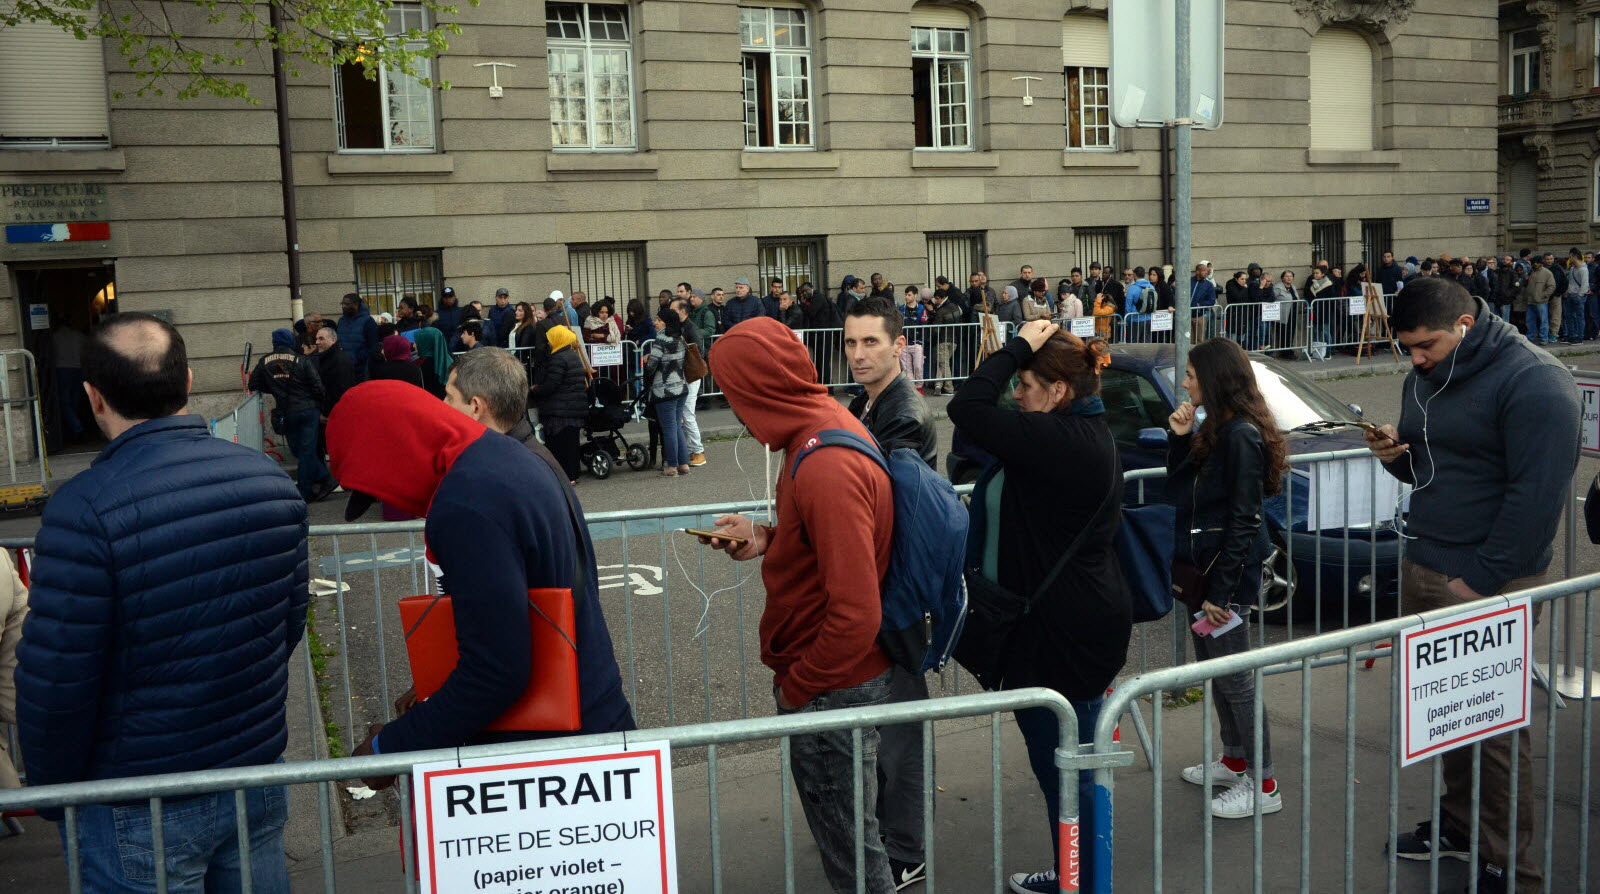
601, 162
1374, 157
50, 161
1092, 158
341, 163
788, 161
935, 158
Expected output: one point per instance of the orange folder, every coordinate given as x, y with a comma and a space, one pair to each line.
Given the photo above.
550, 702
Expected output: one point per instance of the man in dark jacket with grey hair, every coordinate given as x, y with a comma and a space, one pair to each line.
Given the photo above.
168, 594
1488, 436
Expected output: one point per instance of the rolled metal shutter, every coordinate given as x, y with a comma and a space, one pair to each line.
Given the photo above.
52, 85
1085, 41
1524, 191
939, 17
1341, 91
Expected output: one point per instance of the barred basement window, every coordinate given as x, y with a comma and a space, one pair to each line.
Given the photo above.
795, 260
591, 76
1106, 246
383, 278
395, 112
1327, 242
613, 270
776, 55
1377, 237
955, 255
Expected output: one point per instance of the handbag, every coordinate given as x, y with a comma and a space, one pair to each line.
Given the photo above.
694, 365
994, 612
551, 700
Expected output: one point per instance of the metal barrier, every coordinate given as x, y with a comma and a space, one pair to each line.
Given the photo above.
1368, 784
1158, 327
243, 424
1338, 322
160, 791
27, 478
1274, 326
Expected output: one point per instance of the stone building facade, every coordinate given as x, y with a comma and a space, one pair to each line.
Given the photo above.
634, 145
1550, 124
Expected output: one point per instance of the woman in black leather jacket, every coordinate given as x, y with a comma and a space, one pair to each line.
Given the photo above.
1218, 473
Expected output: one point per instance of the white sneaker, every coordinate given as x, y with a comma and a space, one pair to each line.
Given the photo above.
1239, 801
1220, 774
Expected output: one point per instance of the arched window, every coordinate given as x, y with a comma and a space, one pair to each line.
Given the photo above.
1086, 69
1342, 95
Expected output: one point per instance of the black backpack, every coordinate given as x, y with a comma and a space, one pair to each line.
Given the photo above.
1560, 274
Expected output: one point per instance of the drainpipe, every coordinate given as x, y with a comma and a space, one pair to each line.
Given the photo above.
1166, 196
291, 217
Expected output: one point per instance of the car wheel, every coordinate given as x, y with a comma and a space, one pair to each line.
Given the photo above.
638, 457
600, 464
1278, 583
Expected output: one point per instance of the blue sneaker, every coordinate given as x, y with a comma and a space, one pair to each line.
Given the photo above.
1035, 883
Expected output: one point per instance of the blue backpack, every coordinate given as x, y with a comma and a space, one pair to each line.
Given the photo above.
924, 594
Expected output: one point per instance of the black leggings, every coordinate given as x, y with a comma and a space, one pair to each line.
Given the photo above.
564, 444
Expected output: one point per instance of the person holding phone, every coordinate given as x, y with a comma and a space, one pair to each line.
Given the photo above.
1218, 472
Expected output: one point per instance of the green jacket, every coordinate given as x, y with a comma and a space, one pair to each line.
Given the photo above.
705, 325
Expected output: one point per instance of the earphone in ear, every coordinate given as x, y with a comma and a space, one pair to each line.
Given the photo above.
1461, 331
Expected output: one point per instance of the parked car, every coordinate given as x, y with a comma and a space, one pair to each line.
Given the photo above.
1336, 547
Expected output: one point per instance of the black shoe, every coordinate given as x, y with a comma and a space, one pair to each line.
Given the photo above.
325, 487
1491, 880
1418, 845
906, 874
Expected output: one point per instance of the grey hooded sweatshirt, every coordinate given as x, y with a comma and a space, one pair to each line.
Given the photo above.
1502, 437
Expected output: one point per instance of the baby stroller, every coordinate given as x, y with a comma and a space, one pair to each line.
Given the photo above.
603, 444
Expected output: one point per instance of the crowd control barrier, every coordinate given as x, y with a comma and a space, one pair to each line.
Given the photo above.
1345, 794
944, 872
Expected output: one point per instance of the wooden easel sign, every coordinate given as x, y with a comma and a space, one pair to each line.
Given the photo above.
1374, 323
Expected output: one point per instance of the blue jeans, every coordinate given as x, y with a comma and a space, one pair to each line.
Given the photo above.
1572, 318
300, 430
674, 446
1538, 323
824, 775
1042, 734
1591, 315
117, 849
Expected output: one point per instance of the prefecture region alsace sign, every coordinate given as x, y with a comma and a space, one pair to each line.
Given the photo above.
581, 821
1465, 679
54, 212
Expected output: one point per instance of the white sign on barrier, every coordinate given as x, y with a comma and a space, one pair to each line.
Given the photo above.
1161, 321
1589, 399
1271, 313
589, 819
1082, 327
1358, 306
605, 355
1465, 679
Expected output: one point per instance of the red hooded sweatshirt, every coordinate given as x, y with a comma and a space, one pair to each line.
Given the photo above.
830, 548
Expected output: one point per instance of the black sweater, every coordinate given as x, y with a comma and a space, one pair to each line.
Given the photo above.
1218, 501
1058, 469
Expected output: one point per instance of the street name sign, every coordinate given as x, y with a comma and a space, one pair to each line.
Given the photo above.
1465, 679
591, 819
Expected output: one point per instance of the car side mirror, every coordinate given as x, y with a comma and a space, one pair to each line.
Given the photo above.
1356, 409
1152, 439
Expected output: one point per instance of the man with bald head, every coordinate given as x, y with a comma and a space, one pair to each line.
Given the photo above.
169, 590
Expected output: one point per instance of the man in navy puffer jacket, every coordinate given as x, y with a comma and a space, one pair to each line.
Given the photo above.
169, 591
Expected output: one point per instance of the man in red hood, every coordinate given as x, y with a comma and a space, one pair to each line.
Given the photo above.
823, 561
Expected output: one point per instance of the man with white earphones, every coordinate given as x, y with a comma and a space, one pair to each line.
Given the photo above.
1488, 437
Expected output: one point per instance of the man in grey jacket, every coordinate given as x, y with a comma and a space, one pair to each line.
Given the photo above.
1490, 463
1577, 294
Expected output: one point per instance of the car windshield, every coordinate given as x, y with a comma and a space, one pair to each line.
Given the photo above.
1294, 400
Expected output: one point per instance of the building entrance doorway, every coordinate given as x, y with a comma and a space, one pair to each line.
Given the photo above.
58, 302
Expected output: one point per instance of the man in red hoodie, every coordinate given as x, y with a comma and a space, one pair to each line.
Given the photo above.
823, 561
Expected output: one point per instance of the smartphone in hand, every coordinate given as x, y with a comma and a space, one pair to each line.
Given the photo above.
715, 536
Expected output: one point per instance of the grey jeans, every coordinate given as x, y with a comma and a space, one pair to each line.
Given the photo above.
824, 774
900, 792
1235, 697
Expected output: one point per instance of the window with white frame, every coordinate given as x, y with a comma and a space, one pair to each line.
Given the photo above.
1523, 56
52, 89
941, 71
1596, 182
393, 113
776, 53
591, 76
1086, 70
383, 278
1594, 57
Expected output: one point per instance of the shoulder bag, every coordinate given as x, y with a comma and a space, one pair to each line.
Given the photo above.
994, 612
694, 365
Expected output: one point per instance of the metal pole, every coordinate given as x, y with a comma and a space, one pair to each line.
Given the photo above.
291, 215
1183, 189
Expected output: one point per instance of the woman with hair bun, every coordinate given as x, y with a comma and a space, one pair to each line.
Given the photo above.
1218, 472
1054, 493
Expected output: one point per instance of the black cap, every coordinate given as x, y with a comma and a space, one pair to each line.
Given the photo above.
358, 505
449, 291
